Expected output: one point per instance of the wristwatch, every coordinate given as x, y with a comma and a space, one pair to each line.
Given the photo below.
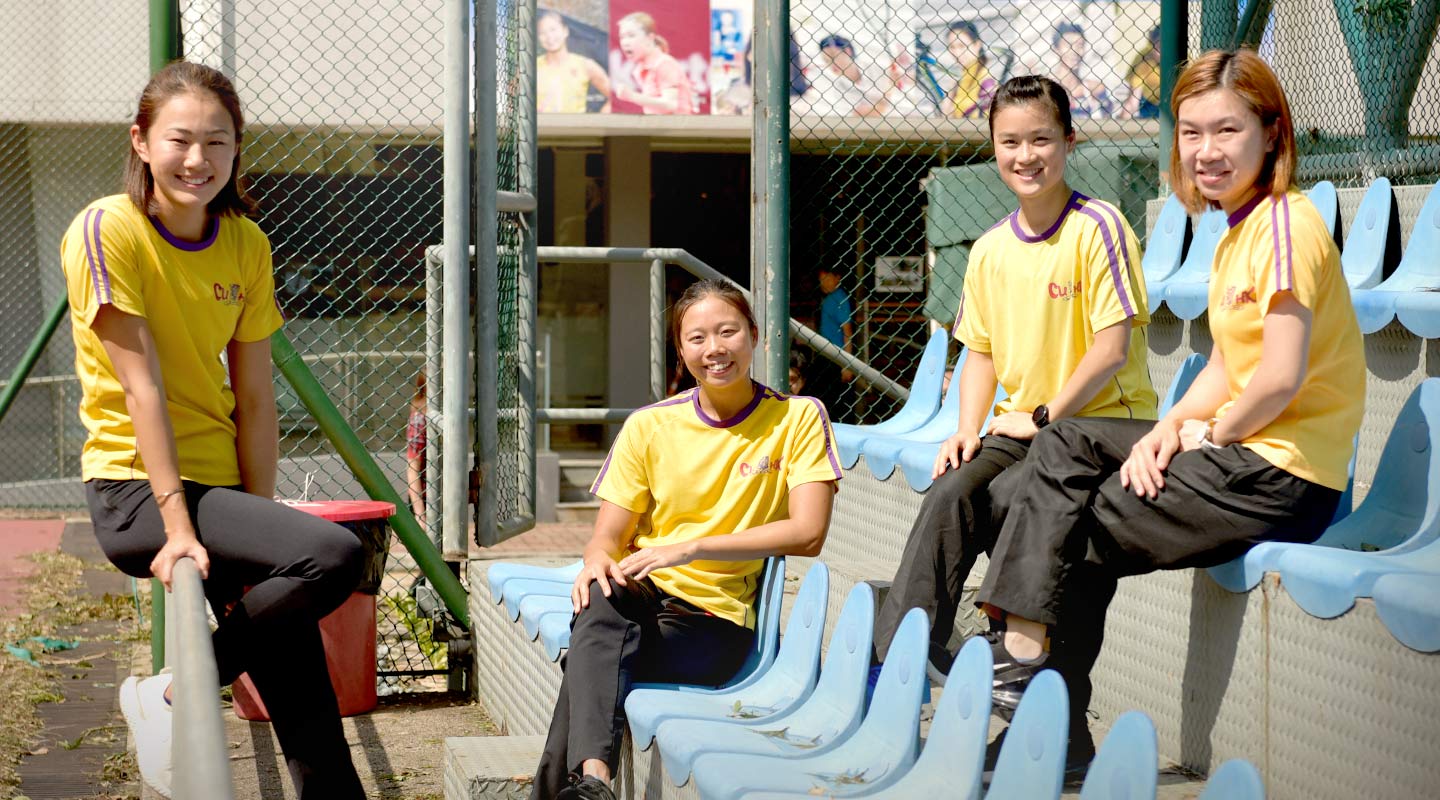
1207, 439
1041, 417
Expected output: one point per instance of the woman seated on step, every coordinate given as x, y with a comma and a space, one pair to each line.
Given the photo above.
696, 492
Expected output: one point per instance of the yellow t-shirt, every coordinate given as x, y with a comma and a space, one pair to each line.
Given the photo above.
1280, 244
690, 476
973, 92
196, 297
562, 88
1034, 304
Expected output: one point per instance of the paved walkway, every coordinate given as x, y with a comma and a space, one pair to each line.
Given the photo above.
20, 538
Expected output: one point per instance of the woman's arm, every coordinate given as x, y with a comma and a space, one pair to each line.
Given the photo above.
257, 425
1144, 470
614, 526
1107, 354
802, 534
598, 78
1284, 353
131, 349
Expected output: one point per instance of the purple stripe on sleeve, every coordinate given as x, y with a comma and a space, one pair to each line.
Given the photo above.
1114, 261
959, 315
90, 256
595, 487
1289, 247
100, 250
1275, 237
829, 448
1119, 232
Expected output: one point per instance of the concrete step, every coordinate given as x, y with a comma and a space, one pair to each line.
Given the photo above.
491, 767
577, 511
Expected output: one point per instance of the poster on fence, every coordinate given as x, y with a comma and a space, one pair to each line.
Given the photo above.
574, 43
660, 56
731, 63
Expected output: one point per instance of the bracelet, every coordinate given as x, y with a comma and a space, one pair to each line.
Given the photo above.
1207, 439
160, 498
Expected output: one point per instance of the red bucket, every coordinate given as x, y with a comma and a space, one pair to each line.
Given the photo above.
348, 632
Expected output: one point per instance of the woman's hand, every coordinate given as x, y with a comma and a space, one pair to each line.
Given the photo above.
957, 450
1191, 432
1014, 424
1144, 470
178, 546
600, 568
642, 562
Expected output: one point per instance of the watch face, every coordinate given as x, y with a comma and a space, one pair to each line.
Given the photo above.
1041, 417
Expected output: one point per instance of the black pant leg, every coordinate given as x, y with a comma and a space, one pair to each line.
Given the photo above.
955, 524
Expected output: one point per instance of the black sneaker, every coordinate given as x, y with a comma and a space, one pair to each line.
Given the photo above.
586, 788
1011, 678
1078, 754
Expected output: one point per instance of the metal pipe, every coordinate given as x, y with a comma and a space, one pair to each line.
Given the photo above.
528, 283
770, 182
368, 474
518, 202
657, 330
487, 294
200, 754
693, 265
1252, 24
1174, 39
577, 416
32, 355
164, 33
455, 367
157, 625
545, 390
434, 309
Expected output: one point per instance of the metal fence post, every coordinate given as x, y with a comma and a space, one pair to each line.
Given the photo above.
657, 332
1174, 37
527, 278
165, 45
770, 179
201, 757
454, 441
32, 355
487, 295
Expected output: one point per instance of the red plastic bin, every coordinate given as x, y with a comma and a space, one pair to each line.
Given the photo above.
348, 632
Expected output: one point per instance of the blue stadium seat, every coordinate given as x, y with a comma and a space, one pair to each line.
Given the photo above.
1401, 513
852, 441
830, 714
1322, 195
534, 607
1416, 278
1409, 606
919, 407
1031, 765
1166, 247
916, 451
1180, 384
517, 589
1187, 292
1124, 768
876, 755
502, 571
1236, 779
785, 684
1374, 236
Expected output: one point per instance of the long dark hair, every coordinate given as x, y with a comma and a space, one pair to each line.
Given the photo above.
702, 289
184, 77
1039, 89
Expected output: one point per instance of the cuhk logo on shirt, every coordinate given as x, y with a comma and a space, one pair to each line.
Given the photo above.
764, 466
1064, 291
1235, 297
231, 296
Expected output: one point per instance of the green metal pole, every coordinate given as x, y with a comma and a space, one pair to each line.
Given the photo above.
32, 355
157, 625
770, 175
1217, 23
1252, 24
164, 33
348, 445
1174, 37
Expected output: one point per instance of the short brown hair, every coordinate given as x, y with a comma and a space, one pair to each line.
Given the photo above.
1249, 77
184, 77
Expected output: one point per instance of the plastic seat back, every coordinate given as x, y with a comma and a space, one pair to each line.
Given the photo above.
1419, 267
1237, 779
1180, 384
1166, 247
1125, 766
1200, 255
921, 406
502, 571
767, 623
1373, 241
1032, 759
799, 653
1322, 195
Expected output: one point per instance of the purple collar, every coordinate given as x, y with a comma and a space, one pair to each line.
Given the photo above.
1244, 211
191, 247
1020, 233
739, 417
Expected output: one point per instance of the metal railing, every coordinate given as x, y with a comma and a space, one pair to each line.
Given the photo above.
200, 757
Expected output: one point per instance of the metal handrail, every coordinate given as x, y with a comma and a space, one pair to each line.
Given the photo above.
199, 755
659, 256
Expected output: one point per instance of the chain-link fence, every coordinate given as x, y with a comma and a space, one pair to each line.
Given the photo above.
892, 177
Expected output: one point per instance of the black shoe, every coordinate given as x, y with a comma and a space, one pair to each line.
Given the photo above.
937, 666
1078, 754
1011, 678
586, 788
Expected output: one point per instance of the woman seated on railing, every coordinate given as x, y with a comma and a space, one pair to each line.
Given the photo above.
172, 304
1257, 448
696, 491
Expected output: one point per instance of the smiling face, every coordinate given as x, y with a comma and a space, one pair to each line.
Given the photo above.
963, 49
190, 151
1071, 50
635, 42
1030, 149
1222, 146
551, 32
717, 344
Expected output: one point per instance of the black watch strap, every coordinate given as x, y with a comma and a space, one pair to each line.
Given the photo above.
1041, 417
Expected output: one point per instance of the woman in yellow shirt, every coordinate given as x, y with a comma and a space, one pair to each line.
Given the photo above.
1257, 448
697, 490
975, 89
563, 79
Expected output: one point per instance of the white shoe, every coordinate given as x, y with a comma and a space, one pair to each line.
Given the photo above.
151, 726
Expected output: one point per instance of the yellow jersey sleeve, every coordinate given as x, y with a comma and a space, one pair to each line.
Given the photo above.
814, 452
259, 316
102, 267
1297, 253
970, 327
624, 478
1110, 254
